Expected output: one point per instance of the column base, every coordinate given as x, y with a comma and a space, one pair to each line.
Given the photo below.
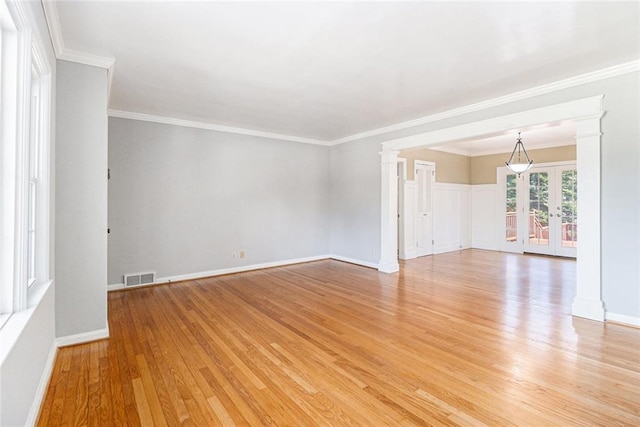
388, 266
589, 309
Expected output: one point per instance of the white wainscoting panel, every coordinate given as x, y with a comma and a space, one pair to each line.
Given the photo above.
484, 217
407, 228
451, 217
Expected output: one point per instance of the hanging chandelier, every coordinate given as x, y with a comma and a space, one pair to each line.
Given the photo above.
519, 164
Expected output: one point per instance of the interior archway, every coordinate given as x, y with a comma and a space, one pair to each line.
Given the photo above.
586, 113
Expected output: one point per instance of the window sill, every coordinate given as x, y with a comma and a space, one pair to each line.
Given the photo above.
3, 319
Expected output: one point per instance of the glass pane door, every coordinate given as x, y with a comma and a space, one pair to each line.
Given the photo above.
568, 211
511, 225
538, 212
551, 209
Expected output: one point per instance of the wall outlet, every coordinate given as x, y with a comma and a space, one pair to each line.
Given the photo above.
233, 255
241, 254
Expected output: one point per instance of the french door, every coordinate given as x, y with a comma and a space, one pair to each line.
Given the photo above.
541, 211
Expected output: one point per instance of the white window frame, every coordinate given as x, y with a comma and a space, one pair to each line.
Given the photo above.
24, 72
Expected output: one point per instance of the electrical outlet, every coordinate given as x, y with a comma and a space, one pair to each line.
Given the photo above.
233, 255
241, 254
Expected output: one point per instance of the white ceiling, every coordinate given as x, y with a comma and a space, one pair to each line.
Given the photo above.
327, 70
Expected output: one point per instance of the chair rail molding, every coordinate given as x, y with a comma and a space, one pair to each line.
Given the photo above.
587, 113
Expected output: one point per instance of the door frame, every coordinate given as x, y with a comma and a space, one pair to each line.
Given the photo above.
586, 113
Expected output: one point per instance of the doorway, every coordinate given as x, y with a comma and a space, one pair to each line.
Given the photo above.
539, 209
586, 113
551, 209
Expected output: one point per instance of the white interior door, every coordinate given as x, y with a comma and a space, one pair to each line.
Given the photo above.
424, 177
550, 209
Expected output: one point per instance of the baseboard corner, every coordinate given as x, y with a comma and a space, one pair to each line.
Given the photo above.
83, 338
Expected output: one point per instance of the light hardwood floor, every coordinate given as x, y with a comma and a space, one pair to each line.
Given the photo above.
466, 338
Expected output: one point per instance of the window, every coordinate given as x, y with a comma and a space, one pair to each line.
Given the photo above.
25, 90
34, 145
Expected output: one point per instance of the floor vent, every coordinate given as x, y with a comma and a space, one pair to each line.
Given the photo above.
139, 279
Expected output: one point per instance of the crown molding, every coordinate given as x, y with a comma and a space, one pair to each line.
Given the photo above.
211, 126
86, 59
605, 73
62, 52
53, 22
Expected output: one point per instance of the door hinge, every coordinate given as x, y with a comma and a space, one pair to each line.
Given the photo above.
108, 174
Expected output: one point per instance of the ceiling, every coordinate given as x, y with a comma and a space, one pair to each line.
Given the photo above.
328, 70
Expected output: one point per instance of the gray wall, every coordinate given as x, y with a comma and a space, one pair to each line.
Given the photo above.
620, 184
355, 201
81, 199
181, 200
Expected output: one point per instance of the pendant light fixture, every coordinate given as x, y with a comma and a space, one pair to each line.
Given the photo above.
519, 164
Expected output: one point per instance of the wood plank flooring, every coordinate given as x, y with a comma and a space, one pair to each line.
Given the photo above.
466, 338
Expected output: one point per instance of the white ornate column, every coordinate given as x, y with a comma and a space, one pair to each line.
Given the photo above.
389, 213
588, 300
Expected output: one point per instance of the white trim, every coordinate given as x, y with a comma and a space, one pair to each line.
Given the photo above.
491, 244
62, 52
87, 59
453, 150
451, 186
223, 271
585, 108
389, 215
586, 113
219, 272
210, 126
594, 76
82, 338
354, 261
43, 385
53, 22
388, 266
622, 318
453, 247
463, 241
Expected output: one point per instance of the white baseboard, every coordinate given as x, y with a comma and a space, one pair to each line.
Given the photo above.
410, 253
354, 261
485, 244
41, 391
589, 309
220, 272
622, 318
457, 246
388, 266
82, 338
